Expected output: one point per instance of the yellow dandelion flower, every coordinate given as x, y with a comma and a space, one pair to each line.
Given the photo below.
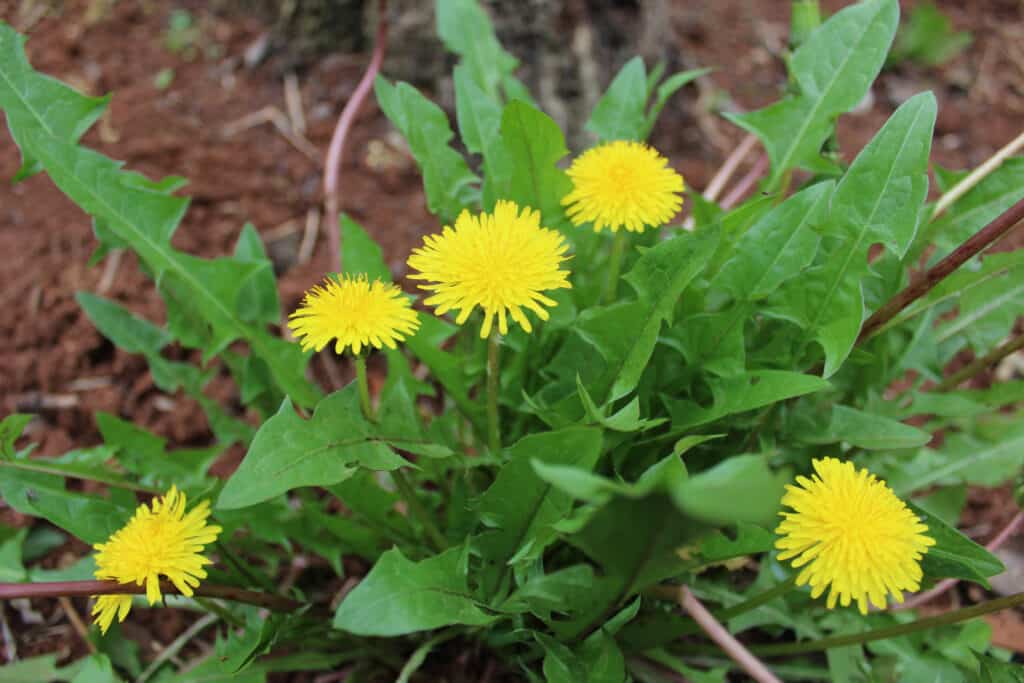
501, 262
623, 184
354, 311
853, 534
161, 539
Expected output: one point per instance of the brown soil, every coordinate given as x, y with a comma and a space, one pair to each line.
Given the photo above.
55, 365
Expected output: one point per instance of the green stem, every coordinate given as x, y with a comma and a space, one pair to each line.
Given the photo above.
775, 591
364, 388
946, 619
417, 509
614, 266
493, 385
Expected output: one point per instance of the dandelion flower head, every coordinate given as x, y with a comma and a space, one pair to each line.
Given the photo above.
623, 184
161, 539
502, 262
851, 534
355, 312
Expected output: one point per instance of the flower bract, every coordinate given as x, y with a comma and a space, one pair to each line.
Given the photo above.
502, 262
852, 535
623, 184
161, 539
356, 312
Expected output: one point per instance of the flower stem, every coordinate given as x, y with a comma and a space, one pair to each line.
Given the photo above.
614, 266
416, 508
897, 630
336, 149
493, 385
364, 388
81, 589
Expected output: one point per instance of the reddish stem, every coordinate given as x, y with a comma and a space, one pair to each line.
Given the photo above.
84, 589
746, 182
934, 275
718, 633
332, 165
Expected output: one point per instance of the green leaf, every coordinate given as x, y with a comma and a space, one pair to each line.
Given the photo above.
878, 200
61, 111
447, 180
993, 266
96, 669
34, 669
997, 192
258, 301
534, 145
742, 393
11, 428
964, 459
954, 555
872, 432
480, 127
12, 567
289, 452
143, 214
741, 488
928, 38
519, 507
989, 308
672, 84
635, 542
991, 670
447, 368
360, 253
465, 29
660, 276
121, 326
90, 518
619, 114
834, 69
399, 596
144, 454
777, 247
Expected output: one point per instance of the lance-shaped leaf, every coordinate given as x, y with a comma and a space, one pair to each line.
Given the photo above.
741, 393
619, 114
448, 182
834, 69
534, 144
143, 215
880, 199
42, 101
777, 247
480, 125
465, 29
289, 452
400, 596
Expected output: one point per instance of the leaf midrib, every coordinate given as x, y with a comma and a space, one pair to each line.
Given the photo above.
817, 104
171, 264
865, 226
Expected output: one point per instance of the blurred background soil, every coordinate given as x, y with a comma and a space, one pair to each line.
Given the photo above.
241, 98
